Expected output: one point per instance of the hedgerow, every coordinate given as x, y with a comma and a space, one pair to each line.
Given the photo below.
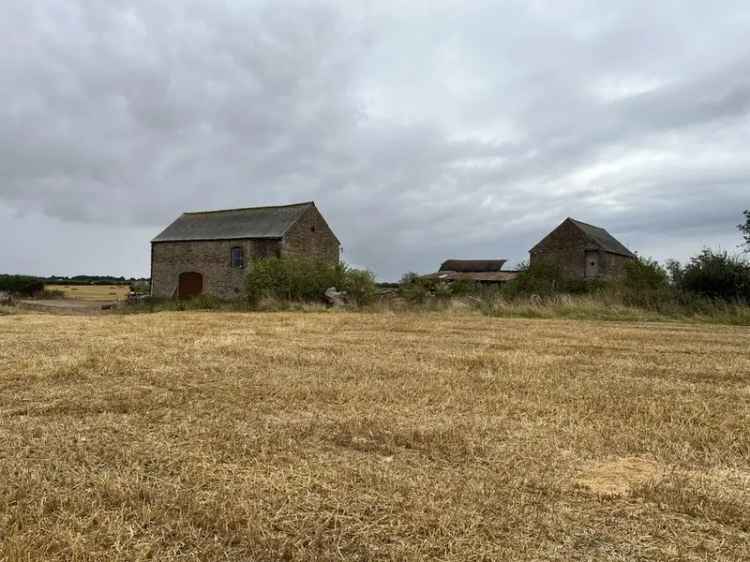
23, 285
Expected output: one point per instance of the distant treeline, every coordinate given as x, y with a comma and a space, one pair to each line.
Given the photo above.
93, 280
28, 285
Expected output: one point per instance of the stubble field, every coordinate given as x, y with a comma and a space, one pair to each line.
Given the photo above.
337, 436
94, 293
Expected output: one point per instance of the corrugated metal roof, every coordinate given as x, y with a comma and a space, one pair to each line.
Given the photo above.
231, 224
472, 265
603, 239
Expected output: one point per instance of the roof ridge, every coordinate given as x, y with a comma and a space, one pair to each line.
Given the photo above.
250, 208
272, 221
587, 224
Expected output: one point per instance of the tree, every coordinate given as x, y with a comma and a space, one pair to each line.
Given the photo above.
745, 230
675, 270
717, 275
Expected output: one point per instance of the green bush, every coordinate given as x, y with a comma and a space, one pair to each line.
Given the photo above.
303, 279
464, 288
646, 286
546, 279
21, 284
359, 285
418, 289
717, 275
413, 288
645, 274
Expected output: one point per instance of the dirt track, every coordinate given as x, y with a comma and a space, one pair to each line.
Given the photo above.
66, 306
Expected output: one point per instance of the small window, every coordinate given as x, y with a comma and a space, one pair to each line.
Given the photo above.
312, 228
237, 257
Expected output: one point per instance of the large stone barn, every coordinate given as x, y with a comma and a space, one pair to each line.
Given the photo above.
210, 252
582, 251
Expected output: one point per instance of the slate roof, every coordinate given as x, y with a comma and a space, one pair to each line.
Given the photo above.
596, 236
232, 224
475, 266
602, 238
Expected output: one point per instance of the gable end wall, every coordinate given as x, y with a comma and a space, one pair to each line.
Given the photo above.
302, 241
565, 247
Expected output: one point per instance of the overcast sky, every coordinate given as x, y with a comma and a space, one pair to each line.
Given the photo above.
423, 130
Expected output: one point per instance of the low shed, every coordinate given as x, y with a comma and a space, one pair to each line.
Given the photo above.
475, 271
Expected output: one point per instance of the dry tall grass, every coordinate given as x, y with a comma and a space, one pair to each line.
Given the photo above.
320, 436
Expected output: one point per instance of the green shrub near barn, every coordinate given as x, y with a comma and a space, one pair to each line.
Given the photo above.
296, 279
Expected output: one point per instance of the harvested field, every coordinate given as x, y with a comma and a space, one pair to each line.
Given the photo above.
98, 293
338, 436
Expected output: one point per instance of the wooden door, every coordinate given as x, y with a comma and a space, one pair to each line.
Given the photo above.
592, 265
190, 285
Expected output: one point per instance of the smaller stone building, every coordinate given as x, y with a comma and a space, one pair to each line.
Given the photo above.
211, 252
582, 251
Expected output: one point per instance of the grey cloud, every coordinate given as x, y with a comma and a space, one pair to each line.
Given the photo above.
463, 131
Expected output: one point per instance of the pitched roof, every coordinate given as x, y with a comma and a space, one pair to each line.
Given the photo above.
472, 265
231, 224
602, 238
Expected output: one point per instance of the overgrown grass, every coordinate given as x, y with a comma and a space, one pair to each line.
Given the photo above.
428, 436
612, 307
209, 303
543, 292
604, 306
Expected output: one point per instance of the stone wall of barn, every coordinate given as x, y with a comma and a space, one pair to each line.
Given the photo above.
311, 237
567, 248
564, 247
212, 259
614, 265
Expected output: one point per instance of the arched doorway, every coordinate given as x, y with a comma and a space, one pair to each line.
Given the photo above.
190, 285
